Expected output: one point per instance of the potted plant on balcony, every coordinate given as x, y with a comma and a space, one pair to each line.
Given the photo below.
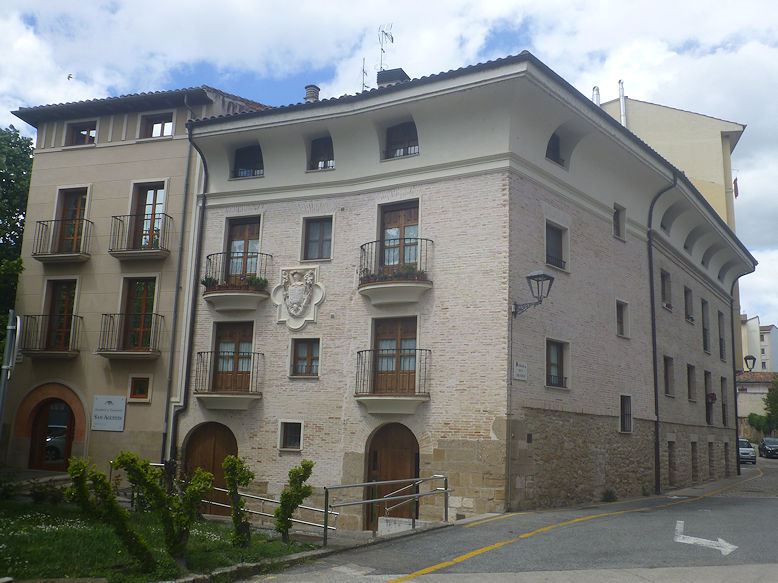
255, 283
209, 282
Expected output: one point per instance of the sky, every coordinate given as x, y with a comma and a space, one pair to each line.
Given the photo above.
715, 57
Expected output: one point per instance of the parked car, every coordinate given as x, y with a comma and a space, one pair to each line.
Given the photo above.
746, 451
768, 447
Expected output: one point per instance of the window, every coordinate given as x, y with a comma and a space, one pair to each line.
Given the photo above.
669, 377
140, 389
318, 238
688, 304
399, 237
622, 319
722, 345
764, 365
724, 401
705, 326
625, 424
243, 249
291, 435
62, 297
248, 162
81, 134
234, 356
762, 350
761, 338
322, 154
710, 398
138, 317
157, 126
666, 295
305, 357
401, 140
619, 222
691, 382
148, 215
555, 245
71, 225
554, 149
395, 355
555, 364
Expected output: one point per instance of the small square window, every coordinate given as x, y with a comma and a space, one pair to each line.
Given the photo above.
318, 238
157, 126
625, 424
305, 357
140, 389
556, 246
291, 435
619, 222
81, 134
622, 319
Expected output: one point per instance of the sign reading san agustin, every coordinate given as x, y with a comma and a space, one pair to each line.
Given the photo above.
108, 413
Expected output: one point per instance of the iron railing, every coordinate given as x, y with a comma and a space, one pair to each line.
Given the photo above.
130, 332
555, 261
228, 372
149, 232
62, 237
50, 333
405, 259
236, 271
387, 371
556, 381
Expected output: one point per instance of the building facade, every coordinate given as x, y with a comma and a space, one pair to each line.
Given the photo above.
752, 388
759, 341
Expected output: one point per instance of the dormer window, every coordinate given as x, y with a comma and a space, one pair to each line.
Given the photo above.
401, 140
157, 126
322, 154
81, 134
554, 149
248, 162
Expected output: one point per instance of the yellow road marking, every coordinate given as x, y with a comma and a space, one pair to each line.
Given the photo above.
482, 550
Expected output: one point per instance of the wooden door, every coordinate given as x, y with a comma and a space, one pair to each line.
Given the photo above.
139, 313
51, 440
243, 248
71, 228
62, 296
399, 237
232, 370
149, 206
393, 455
395, 356
206, 448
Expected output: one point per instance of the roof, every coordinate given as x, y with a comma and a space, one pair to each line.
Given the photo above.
124, 104
757, 377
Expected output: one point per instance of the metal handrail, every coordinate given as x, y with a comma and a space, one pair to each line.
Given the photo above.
413, 482
140, 232
400, 259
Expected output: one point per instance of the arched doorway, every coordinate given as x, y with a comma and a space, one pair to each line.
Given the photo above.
393, 454
206, 447
51, 438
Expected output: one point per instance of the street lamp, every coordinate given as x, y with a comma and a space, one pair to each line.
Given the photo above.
540, 284
750, 362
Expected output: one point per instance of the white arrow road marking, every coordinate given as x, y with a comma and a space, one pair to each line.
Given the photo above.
719, 545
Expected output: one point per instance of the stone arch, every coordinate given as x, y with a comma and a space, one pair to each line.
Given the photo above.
25, 414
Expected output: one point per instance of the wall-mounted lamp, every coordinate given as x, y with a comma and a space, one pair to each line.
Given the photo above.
750, 362
540, 284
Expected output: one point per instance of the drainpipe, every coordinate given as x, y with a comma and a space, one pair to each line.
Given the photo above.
657, 465
177, 293
734, 366
195, 283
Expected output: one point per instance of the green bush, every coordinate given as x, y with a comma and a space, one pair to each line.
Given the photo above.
41, 492
293, 495
236, 474
608, 495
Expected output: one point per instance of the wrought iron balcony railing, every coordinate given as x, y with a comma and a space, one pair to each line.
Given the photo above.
62, 239
228, 372
130, 333
236, 271
555, 261
406, 259
556, 381
50, 333
392, 372
140, 233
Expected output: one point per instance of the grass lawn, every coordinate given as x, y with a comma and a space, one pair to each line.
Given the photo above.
43, 541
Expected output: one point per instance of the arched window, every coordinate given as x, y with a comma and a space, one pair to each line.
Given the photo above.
401, 140
248, 162
322, 154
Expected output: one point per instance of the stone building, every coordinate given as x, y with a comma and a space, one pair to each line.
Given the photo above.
359, 278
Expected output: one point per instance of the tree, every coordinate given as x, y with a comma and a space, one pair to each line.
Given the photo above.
237, 474
293, 495
771, 406
15, 170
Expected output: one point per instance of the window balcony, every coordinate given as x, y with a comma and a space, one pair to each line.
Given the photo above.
391, 382
140, 236
130, 336
394, 271
556, 381
50, 336
236, 281
227, 380
62, 241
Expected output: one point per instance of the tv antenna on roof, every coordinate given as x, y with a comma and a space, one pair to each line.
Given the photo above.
384, 35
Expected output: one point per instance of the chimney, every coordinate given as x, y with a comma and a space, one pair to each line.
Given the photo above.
311, 93
391, 77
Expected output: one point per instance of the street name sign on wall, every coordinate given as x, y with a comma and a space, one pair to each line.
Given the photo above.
108, 413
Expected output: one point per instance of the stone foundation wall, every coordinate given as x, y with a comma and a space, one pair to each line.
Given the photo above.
691, 455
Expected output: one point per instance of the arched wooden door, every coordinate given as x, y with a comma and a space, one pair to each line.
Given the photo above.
51, 438
393, 454
206, 448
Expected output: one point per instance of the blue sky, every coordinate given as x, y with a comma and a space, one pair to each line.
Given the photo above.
709, 56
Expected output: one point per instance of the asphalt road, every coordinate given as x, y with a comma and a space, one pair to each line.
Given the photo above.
717, 532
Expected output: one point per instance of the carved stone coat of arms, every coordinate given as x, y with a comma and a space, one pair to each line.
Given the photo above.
298, 296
